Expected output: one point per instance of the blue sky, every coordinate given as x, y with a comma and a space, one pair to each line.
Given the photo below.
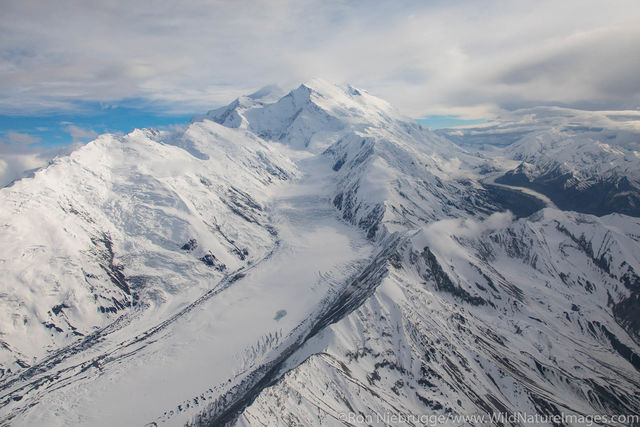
82, 125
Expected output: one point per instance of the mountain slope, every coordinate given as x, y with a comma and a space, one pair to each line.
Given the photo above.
126, 221
473, 319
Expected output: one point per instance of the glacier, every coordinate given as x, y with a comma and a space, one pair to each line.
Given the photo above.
298, 256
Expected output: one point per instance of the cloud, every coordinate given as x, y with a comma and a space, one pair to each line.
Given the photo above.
18, 164
21, 153
442, 235
434, 57
14, 166
80, 134
17, 143
18, 138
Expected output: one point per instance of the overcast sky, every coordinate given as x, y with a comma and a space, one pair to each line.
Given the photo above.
426, 57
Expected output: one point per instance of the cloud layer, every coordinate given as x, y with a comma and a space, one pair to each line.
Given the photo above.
437, 57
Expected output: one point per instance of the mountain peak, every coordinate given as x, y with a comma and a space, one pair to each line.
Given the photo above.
326, 88
323, 87
269, 93
311, 116
345, 94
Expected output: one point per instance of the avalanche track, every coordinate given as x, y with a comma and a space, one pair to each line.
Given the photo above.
220, 342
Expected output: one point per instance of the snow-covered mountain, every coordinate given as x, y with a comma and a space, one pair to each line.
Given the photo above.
588, 161
128, 221
304, 258
472, 318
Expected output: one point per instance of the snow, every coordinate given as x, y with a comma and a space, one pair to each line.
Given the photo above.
588, 144
208, 346
148, 197
412, 350
151, 200
310, 254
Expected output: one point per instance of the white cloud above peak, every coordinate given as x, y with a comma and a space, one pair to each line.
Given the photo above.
427, 58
